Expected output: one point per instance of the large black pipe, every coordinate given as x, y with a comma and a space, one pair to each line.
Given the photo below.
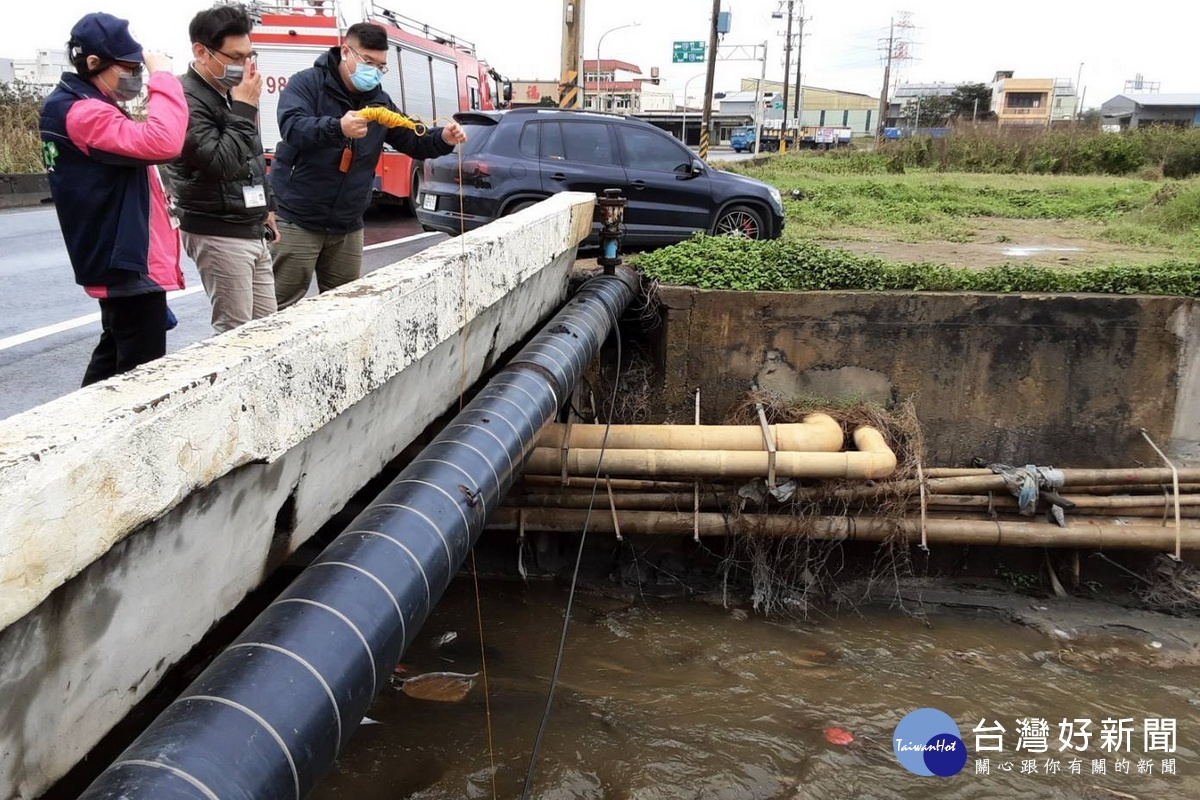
270, 714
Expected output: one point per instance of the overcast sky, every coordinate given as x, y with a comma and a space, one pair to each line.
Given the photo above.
951, 41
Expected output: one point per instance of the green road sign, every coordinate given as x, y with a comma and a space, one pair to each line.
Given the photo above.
688, 52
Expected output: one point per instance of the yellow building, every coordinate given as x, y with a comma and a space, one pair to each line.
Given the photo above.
816, 98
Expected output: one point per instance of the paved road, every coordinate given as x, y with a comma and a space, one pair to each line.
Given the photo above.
48, 326
726, 153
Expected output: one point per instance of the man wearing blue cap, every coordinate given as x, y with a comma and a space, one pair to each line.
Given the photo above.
111, 205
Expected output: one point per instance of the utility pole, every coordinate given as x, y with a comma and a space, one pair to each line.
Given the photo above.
799, 78
887, 82
787, 68
571, 81
709, 79
758, 102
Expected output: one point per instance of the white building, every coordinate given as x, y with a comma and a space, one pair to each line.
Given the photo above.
606, 90
44, 71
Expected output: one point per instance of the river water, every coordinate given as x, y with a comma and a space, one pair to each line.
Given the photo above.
660, 699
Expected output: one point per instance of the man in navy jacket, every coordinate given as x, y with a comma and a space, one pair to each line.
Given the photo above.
324, 167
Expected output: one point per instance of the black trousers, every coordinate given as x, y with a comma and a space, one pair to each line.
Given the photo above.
134, 332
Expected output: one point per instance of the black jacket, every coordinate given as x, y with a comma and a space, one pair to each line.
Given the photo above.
222, 154
306, 174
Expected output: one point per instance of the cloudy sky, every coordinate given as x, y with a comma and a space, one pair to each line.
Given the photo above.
950, 41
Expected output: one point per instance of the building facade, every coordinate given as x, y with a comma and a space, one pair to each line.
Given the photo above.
609, 85
42, 72
1032, 102
818, 106
1131, 111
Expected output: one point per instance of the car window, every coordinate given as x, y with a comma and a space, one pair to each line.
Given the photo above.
477, 138
588, 142
552, 141
651, 150
529, 140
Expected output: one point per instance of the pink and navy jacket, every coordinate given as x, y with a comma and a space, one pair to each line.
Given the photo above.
110, 200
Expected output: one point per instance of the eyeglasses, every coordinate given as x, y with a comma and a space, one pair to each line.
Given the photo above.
381, 67
250, 58
133, 68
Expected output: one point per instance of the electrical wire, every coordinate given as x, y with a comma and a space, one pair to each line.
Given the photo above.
562, 641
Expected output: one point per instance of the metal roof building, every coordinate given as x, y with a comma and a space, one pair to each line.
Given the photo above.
1134, 110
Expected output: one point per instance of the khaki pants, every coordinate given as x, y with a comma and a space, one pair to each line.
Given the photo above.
335, 257
237, 277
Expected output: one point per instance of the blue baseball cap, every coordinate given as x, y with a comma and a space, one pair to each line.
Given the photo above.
106, 36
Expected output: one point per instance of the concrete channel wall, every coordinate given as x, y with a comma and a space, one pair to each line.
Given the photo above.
1068, 380
138, 512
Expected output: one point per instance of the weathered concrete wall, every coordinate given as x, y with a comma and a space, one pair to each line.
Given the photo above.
1064, 380
136, 513
23, 190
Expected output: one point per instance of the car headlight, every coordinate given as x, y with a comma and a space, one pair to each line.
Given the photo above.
776, 198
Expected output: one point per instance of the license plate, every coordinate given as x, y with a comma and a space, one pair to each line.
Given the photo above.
430, 202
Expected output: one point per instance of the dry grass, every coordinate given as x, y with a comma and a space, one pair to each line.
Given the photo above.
793, 575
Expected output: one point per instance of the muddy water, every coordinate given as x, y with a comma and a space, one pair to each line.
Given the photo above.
687, 700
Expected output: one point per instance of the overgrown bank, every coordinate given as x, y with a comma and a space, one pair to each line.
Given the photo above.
796, 265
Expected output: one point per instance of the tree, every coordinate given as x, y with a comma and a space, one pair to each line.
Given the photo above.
1091, 119
966, 96
547, 100
928, 112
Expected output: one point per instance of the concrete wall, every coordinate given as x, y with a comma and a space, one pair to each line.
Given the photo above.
23, 190
136, 513
1064, 380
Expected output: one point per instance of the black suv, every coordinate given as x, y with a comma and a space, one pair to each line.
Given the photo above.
513, 159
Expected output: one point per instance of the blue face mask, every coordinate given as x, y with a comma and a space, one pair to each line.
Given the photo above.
365, 77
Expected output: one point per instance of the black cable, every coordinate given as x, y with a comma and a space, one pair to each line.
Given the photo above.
562, 641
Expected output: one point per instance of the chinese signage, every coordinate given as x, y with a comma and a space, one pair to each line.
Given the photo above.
928, 742
688, 53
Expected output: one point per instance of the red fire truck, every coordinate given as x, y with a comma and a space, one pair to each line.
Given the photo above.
432, 75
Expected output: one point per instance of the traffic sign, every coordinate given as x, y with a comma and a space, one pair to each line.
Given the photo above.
688, 52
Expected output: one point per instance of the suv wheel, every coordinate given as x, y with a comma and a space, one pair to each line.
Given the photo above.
741, 221
414, 187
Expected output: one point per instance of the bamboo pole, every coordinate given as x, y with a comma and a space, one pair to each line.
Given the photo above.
818, 433
584, 484
873, 459
1080, 501
1087, 534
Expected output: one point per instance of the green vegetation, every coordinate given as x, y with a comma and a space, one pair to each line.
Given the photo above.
1174, 152
20, 145
792, 265
855, 195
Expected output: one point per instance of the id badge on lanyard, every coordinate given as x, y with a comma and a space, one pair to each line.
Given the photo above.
255, 196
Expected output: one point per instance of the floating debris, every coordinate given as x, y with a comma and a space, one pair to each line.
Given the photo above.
439, 687
839, 736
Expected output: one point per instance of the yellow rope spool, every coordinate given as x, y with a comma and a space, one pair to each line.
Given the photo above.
392, 119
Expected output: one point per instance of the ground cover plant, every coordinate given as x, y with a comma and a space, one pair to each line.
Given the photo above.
795, 265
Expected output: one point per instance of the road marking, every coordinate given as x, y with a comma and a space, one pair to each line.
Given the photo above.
27, 213
90, 319
78, 322
394, 242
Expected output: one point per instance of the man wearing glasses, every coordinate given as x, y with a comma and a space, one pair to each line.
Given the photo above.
324, 167
225, 205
